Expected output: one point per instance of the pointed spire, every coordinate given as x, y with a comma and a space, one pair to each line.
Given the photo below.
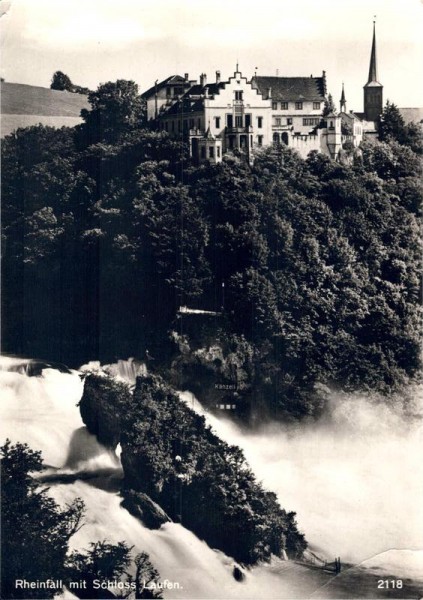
373, 62
343, 102
208, 135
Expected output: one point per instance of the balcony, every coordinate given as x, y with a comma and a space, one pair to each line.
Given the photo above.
234, 130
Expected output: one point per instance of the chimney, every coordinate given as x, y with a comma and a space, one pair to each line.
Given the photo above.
217, 76
203, 79
186, 76
269, 92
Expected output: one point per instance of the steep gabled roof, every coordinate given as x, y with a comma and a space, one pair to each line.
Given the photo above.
211, 89
184, 106
292, 88
193, 99
351, 115
171, 80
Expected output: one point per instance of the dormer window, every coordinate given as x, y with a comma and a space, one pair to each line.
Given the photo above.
298, 106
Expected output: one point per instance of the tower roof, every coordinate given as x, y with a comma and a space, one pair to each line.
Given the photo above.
343, 100
373, 62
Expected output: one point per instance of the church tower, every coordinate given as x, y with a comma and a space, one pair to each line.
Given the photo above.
373, 90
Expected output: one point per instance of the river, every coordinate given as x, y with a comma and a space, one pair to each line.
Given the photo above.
354, 480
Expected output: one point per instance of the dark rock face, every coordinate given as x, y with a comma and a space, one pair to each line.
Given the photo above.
238, 573
142, 507
101, 406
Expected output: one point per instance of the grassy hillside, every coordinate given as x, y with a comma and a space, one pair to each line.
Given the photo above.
19, 99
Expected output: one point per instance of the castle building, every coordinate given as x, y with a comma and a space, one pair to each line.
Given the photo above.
244, 115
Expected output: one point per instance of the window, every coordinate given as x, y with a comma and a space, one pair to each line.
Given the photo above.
199, 123
211, 152
217, 122
173, 125
311, 121
185, 124
247, 120
191, 123
218, 151
229, 121
203, 152
289, 121
276, 139
274, 106
238, 95
316, 105
238, 121
278, 121
284, 105
260, 122
298, 106
260, 140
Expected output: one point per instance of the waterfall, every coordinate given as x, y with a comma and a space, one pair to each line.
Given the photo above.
354, 478
42, 411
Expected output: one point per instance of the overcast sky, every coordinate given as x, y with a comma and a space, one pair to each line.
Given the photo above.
94, 41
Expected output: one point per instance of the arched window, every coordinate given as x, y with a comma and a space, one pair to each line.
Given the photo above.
276, 139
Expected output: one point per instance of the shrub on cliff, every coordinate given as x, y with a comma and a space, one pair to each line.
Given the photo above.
169, 453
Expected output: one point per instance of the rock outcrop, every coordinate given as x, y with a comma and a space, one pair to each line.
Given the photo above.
142, 507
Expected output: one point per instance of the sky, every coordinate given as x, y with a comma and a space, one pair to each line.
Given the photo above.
94, 41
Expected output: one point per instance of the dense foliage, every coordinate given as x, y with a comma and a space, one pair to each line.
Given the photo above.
35, 540
110, 230
35, 530
393, 126
170, 454
61, 81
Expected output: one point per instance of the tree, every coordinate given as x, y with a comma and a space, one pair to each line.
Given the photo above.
35, 530
60, 81
391, 123
101, 563
329, 106
147, 579
116, 109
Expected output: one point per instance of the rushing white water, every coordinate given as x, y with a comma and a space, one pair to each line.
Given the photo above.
124, 370
355, 478
318, 471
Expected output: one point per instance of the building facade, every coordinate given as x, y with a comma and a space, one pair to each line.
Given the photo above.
245, 115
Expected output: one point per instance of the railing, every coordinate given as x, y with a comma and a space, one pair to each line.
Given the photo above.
248, 129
